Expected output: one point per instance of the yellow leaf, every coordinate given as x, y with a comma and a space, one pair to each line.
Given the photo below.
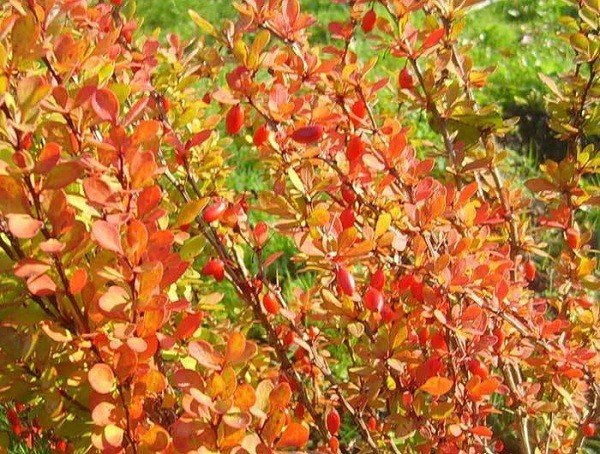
383, 224
202, 23
296, 181
319, 217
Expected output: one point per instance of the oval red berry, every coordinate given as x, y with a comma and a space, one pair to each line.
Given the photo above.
530, 270
355, 148
348, 195
260, 135
405, 79
368, 21
333, 421
234, 120
378, 279
270, 303
374, 300
214, 211
347, 218
346, 281
214, 268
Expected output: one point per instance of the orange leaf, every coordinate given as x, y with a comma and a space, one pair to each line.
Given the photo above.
155, 439
107, 236
294, 436
101, 378
203, 352
236, 344
280, 396
63, 175
244, 396
437, 386
78, 281
482, 431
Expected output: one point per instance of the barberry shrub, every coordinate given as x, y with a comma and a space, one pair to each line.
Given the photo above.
449, 304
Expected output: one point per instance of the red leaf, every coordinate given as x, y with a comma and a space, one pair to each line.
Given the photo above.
433, 38
107, 236
188, 325
106, 105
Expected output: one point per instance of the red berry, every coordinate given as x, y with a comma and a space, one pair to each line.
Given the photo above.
572, 237
214, 268
589, 429
529, 270
438, 342
346, 281
347, 218
271, 304
289, 338
417, 290
405, 79
499, 446
368, 21
61, 446
387, 314
372, 423
308, 134
207, 98
423, 335
355, 148
214, 211
500, 336
476, 367
334, 444
373, 300
333, 421
127, 35
234, 120
378, 279
348, 195
166, 104
260, 135
19, 407
26, 141
12, 416
17, 429
117, 2
407, 399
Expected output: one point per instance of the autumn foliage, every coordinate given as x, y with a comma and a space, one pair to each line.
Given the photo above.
451, 305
